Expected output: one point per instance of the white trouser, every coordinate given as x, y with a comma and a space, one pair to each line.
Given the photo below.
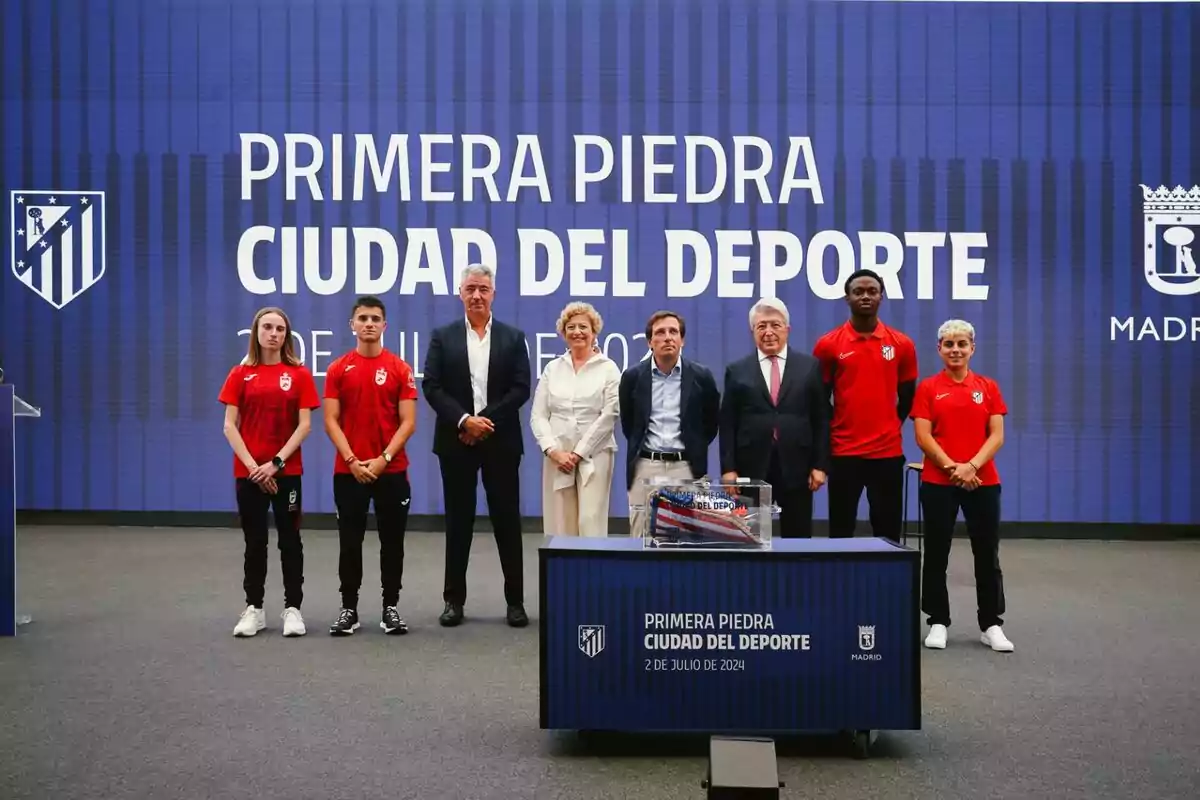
646, 468
582, 508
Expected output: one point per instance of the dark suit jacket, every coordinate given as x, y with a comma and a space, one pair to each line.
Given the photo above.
447, 387
748, 419
700, 407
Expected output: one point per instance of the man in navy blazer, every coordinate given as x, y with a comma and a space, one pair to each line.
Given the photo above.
670, 413
477, 378
775, 419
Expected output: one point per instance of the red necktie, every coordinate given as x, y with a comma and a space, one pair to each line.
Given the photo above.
775, 386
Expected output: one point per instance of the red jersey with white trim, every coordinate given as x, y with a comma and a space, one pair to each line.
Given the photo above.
369, 390
269, 398
958, 414
866, 370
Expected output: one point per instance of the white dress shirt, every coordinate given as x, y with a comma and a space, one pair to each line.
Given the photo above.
577, 411
479, 352
764, 362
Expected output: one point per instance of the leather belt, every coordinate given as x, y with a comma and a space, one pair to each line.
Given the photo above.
653, 456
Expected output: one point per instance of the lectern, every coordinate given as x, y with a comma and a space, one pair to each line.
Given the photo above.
8, 505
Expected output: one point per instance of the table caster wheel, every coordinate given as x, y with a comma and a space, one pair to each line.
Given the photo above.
862, 744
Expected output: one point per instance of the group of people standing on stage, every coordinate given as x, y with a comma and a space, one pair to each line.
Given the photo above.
798, 421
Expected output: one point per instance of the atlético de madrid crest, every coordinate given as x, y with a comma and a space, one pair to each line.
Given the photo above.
889, 352
977, 397
591, 640
57, 242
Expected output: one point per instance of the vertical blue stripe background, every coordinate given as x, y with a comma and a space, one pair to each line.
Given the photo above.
1034, 123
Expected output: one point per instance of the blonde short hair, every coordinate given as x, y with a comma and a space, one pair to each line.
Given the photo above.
576, 308
953, 326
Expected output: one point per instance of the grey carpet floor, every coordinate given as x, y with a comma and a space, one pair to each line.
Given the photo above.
129, 685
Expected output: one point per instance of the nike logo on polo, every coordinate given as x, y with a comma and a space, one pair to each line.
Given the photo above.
251, 375
350, 367
845, 355
943, 394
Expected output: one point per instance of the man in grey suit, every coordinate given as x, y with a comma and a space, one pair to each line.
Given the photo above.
670, 409
775, 419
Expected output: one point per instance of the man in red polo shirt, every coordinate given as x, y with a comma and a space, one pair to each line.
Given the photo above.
870, 370
370, 413
958, 417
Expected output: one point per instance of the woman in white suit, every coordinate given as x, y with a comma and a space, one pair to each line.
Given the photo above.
574, 414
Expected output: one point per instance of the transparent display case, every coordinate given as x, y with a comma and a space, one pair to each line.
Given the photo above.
703, 514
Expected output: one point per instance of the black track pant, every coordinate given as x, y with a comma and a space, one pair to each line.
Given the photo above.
391, 495
981, 510
253, 504
883, 478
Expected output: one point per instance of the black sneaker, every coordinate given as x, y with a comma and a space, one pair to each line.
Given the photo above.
392, 623
346, 625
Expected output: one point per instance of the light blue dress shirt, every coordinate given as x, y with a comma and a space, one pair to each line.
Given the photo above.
666, 391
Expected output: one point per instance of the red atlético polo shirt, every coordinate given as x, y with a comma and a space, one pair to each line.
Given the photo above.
866, 370
268, 399
369, 391
958, 413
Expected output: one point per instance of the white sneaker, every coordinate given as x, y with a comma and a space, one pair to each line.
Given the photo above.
936, 640
994, 638
251, 622
293, 623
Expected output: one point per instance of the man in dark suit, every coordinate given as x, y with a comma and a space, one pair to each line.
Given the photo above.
476, 379
670, 413
775, 419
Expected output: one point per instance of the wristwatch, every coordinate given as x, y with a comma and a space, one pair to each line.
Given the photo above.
387, 456
278, 462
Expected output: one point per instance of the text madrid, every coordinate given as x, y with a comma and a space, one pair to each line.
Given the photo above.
587, 262
1165, 329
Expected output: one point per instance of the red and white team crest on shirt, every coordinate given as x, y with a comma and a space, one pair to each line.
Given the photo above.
977, 397
285, 381
889, 352
381, 376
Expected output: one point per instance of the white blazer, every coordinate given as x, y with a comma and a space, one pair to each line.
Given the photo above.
577, 411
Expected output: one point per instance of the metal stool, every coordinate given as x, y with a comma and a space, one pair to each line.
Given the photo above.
911, 469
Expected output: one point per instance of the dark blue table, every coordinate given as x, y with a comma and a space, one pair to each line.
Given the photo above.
8, 515
812, 635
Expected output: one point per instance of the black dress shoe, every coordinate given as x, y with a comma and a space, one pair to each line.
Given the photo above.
453, 615
517, 617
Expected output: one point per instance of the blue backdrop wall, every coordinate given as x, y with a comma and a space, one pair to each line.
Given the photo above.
989, 158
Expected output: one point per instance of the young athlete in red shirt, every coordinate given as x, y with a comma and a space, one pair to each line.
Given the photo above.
870, 369
268, 400
370, 413
958, 416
